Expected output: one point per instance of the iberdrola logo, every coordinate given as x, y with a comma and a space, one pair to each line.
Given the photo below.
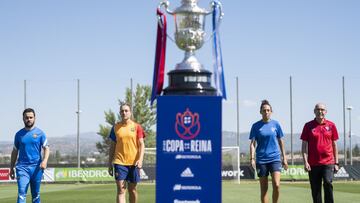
187, 124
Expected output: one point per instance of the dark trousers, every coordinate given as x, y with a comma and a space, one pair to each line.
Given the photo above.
318, 174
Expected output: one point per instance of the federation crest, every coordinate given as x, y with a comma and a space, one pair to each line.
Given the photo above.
35, 135
187, 125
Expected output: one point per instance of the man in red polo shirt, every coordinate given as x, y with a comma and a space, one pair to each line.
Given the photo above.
320, 153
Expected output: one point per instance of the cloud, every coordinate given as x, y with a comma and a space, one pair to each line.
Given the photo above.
229, 102
248, 103
244, 103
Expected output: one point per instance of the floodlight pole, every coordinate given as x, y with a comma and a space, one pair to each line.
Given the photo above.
291, 124
131, 95
349, 108
237, 126
78, 123
25, 94
343, 87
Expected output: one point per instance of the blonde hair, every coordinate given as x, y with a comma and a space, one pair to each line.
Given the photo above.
125, 104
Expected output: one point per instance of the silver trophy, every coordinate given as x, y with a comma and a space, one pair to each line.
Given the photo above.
189, 76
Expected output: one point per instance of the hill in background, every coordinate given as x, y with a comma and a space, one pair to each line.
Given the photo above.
66, 145
230, 139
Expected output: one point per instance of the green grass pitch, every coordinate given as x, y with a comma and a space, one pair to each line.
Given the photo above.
246, 192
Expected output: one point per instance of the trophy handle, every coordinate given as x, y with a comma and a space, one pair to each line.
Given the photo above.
213, 5
165, 4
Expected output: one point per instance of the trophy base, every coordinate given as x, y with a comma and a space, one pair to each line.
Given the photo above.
190, 82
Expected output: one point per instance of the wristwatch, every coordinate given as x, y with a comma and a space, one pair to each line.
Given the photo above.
337, 164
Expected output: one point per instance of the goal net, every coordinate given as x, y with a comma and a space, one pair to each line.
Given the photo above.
230, 163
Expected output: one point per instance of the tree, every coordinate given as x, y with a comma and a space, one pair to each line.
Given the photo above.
57, 156
110, 119
143, 113
356, 151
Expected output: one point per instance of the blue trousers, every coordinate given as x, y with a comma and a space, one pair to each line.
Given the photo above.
322, 174
28, 175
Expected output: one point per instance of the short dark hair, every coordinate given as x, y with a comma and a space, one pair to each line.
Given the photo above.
28, 110
265, 102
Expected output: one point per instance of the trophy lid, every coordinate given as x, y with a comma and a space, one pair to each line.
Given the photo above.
190, 6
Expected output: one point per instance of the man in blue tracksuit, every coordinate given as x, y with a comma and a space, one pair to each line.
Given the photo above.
28, 143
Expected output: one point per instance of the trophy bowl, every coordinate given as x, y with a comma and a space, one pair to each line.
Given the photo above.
189, 76
189, 35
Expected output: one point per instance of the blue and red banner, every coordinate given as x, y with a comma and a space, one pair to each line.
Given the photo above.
219, 77
160, 56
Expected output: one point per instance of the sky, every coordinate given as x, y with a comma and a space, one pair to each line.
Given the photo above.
51, 44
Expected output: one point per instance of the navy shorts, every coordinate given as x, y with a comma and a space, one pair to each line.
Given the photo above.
264, 169
128, 173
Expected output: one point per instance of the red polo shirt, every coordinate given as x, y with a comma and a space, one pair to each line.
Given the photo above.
320, 138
